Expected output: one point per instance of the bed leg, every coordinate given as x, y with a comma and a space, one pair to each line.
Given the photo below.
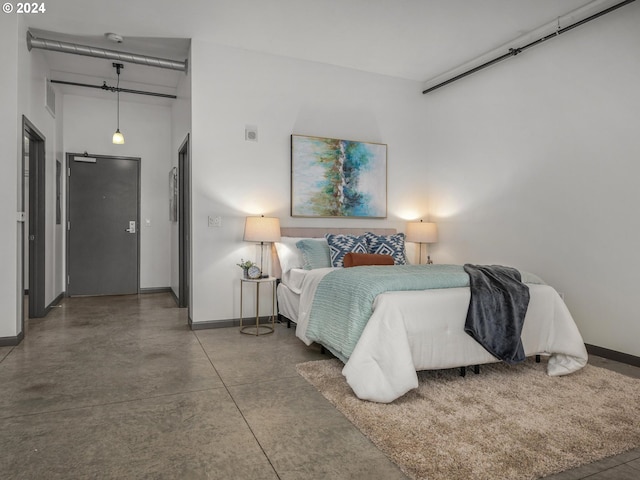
463, 371
322, 350
537, 358
288, 323
476, 369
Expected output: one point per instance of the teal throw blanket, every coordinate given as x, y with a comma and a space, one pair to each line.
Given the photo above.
343, 302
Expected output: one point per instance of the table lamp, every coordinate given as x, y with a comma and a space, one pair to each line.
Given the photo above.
422, 232
262, 229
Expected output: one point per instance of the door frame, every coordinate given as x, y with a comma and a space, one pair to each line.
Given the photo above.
37, 219
69, 159
184, 223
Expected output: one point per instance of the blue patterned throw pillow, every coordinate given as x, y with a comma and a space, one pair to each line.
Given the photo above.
387, 245
340, 245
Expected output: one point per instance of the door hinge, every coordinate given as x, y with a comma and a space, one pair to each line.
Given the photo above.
68, 279
68, 171
69, 225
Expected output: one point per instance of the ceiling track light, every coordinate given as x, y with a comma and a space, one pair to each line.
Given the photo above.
118, 138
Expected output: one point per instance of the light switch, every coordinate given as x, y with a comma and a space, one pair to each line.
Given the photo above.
147, 222
215, 221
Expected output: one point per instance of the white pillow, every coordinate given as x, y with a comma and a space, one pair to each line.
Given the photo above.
288, 254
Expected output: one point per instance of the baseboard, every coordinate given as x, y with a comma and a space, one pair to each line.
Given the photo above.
613, 355
155, 290
175, 297
11, 341
232, 322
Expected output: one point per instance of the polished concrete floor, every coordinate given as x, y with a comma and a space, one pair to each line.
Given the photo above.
121, 388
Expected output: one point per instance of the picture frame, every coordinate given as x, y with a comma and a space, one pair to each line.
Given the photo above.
58, 192
173, 195
338, 178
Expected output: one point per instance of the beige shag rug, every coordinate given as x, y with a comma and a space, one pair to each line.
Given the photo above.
506, 423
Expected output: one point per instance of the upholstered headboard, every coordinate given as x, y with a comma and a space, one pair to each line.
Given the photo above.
316, 232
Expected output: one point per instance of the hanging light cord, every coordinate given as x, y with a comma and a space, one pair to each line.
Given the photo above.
118, 99
118, 138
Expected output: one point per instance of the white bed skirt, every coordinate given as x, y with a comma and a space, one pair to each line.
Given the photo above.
288, 302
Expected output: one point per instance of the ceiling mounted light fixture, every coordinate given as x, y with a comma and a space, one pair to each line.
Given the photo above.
118, 138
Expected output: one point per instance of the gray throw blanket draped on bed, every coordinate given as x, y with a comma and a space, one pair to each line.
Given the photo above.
497, 308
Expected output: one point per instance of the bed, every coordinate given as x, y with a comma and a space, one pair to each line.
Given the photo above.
408, 330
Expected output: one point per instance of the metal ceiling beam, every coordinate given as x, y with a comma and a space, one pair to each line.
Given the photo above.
104, 86
512, 52
72, 48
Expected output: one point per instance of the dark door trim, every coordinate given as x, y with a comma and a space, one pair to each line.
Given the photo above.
69, 158
184, 223
37, 189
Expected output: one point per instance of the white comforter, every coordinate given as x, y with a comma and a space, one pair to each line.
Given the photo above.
424, 330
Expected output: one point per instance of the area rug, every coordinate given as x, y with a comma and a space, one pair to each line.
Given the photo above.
508, 422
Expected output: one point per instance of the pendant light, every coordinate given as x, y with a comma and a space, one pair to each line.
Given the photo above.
118, 138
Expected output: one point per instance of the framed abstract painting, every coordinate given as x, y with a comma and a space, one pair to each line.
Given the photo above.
338, 178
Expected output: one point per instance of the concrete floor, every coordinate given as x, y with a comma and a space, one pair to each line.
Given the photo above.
120, 387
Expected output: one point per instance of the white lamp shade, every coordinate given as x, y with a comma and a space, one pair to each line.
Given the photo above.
422, 232
262, 229
118, 138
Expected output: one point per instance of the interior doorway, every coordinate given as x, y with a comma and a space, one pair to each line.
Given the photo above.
184, 224
33, 231
103, 213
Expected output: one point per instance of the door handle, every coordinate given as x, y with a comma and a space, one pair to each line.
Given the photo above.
132, 227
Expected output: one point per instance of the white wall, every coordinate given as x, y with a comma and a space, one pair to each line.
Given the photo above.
10, 135
535, 163
59, 247
89, 124
23, 84
33, 72
233, 178
180, 127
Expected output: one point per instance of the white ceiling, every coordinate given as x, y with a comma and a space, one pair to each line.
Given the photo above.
411, 39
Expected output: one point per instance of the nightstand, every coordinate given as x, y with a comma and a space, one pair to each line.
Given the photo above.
257, 328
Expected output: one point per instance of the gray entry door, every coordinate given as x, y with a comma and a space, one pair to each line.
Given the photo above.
102, 235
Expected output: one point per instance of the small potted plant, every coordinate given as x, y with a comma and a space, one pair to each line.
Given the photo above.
245, 265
